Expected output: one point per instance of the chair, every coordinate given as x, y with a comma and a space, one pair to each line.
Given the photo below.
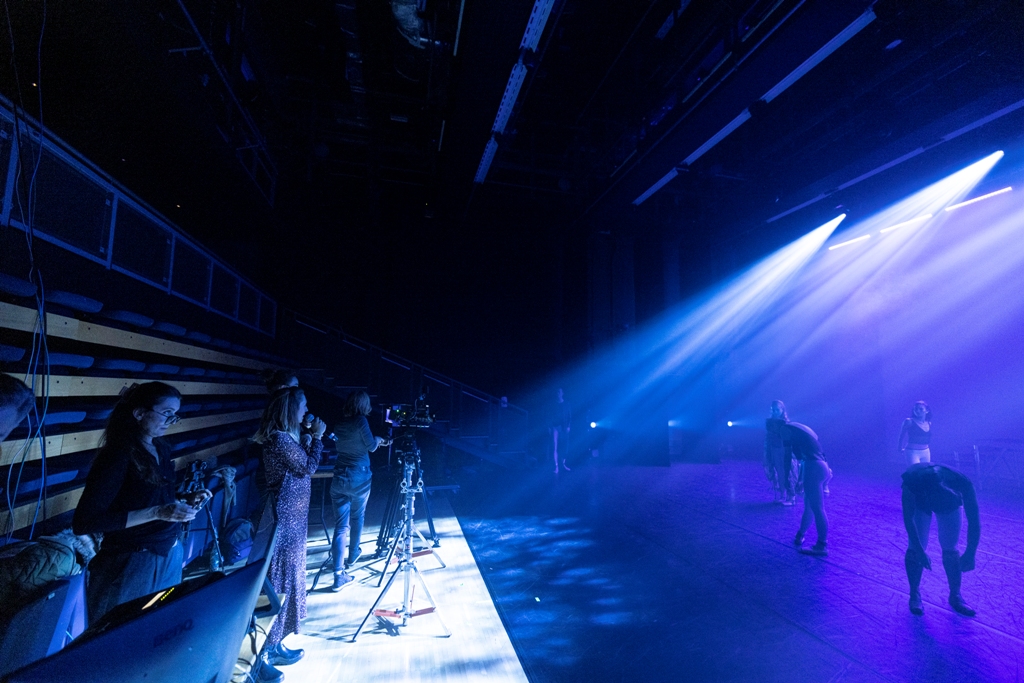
169, 328
128, 318
75, 302
45, 625
11, 354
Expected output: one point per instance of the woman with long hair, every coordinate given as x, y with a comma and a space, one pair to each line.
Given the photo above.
130, 497
779, 465
350, 488
290, 463
916, 435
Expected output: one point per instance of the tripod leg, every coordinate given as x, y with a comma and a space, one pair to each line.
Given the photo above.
391, 553
376, 602
432, 552
430, 599
387, 523
430, 521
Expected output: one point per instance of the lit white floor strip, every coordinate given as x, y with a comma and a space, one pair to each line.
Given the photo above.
479, 649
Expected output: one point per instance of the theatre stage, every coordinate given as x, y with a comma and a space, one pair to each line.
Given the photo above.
681, 573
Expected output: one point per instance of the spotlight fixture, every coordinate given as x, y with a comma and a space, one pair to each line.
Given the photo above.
905, 224
849, 242
729, 423
593, 425
978, 199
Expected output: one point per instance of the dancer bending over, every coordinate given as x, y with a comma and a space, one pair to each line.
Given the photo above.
807, 449
936, 489
916, 435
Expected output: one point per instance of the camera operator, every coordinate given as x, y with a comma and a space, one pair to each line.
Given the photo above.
350, 488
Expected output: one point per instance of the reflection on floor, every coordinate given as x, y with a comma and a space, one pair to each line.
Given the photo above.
688, 574
477, 650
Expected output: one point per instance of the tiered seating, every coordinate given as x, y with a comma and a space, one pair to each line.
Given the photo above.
92, 358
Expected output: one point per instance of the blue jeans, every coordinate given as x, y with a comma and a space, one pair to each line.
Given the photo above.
116, 578
350, 490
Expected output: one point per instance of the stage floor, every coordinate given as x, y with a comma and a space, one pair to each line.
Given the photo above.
682, 573
477, 650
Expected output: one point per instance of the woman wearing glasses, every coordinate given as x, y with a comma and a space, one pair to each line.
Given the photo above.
130, 497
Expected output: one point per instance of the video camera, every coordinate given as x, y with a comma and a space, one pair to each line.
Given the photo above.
408, 415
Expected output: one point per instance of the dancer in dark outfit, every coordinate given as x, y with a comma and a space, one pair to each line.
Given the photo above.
350, 488
936, 489
130, 497
289, 468
806, 447
779, 465
559, 426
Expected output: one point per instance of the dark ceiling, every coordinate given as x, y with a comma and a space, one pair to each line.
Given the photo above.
327, 149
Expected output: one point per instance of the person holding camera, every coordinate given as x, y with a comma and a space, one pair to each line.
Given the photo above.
350, 488
131, 498
936, 490
290, 461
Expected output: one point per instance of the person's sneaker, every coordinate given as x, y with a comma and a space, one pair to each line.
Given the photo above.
818, 550
915, 604
565, 466
353, 558
958, 604
787, 501
264, 671
799, 540
341, 579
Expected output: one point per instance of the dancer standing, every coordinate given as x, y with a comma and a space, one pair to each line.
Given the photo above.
559, 427
916, 435
807, 448
936, 489
778, 458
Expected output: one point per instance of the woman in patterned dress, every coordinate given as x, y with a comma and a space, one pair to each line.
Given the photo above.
290, 461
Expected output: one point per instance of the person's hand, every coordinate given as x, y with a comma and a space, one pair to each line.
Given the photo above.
967, 561
175, 512
318, 428
197, 499
922, 558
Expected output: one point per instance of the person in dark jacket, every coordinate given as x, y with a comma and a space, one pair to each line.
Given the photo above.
16, 400
350, 488
939, 491
130, 497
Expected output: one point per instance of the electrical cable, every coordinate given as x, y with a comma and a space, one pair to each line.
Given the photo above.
40, 354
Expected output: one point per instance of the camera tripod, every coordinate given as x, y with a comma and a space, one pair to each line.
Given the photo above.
406, 563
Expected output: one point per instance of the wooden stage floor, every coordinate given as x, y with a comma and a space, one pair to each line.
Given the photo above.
478, 650
681, 573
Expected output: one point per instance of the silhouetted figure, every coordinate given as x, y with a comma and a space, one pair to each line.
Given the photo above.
350, 487
806, 448
779, 464
928, 490
559, 426
16, 400
916, 435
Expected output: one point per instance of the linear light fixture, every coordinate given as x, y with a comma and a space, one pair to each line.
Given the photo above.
849, 242
485, 161
535, 25
819, 56
978, 199
905, 224
531, 39
828, 48
508, 100
655, 187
